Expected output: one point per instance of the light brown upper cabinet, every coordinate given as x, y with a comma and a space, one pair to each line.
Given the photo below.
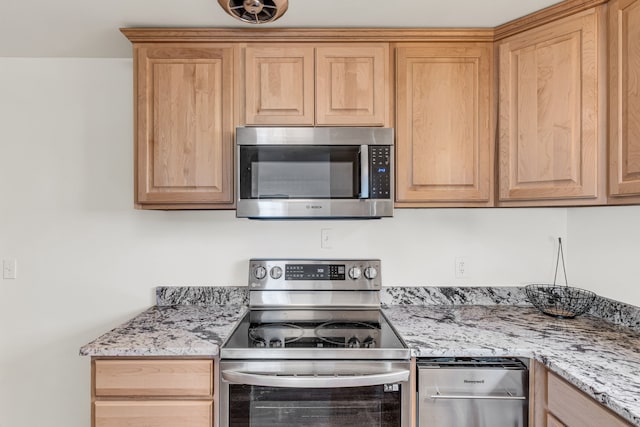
184, 125
316, 84
279, 85
444, 124
624, 106
552, 115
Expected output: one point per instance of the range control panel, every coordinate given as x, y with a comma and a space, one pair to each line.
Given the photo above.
314, 272
305, 274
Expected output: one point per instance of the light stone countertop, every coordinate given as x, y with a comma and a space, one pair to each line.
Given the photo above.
180, 330
598, 357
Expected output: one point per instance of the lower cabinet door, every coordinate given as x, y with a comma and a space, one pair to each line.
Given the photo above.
553, 421
576, 409
153, 414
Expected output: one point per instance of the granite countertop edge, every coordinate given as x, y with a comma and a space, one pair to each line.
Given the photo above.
169, 331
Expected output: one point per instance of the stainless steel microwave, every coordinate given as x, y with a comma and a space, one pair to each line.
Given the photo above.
314, 172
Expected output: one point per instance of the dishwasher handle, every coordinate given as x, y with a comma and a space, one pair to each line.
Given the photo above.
476, 397
314, 381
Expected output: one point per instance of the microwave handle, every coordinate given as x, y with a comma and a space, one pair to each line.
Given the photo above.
314, 381
364, 171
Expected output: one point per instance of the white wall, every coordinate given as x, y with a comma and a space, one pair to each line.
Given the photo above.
604, 251
87, 260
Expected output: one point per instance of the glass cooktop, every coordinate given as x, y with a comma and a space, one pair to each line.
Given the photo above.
314, 334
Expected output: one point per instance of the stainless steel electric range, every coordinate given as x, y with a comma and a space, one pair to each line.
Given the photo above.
314, 349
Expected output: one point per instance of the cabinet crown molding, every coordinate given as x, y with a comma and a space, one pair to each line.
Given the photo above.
141, 35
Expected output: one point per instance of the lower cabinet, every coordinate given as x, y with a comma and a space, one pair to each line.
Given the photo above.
556, 403
553, 421
157, 413
152, 393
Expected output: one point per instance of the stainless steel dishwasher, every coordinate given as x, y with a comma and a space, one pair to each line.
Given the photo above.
472, 392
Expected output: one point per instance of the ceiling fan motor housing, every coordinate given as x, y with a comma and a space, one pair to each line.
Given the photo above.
255, 11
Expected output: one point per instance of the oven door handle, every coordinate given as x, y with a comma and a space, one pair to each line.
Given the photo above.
315, 381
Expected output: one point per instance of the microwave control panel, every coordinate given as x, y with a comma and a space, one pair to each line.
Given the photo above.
380, 167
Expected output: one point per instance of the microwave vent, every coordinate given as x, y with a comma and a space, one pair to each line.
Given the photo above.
255, 11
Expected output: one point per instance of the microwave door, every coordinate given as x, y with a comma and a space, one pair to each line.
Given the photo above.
303, 172
304, 181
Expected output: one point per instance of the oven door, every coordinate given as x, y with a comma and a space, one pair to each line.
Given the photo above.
314, 394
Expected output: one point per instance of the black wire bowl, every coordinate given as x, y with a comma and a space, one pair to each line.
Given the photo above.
560, 301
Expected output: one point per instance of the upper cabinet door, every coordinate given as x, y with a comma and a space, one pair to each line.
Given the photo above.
184, 125
444, 129
624, 107
279, 85
352, 85
553, 113
310, 84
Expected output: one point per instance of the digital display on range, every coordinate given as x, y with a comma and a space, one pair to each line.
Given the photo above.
314, 272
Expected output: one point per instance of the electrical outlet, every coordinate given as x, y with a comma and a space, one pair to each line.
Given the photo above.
9, 267
462, 267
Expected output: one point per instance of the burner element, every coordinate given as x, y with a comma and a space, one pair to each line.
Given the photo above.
336, 333
274, 335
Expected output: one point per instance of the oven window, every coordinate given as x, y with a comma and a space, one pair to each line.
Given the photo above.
299, 172
256, 406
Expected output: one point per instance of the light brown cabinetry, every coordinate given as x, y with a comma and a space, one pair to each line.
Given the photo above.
184, 125
152, 393
544, 91
444, 125
279, 85
557, 403
153, 414
553, 421
624, 104
316, 84
552, 131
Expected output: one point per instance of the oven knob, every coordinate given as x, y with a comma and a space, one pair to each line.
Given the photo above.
259, 272
353, 342
355, 273
370, 273
276, 272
